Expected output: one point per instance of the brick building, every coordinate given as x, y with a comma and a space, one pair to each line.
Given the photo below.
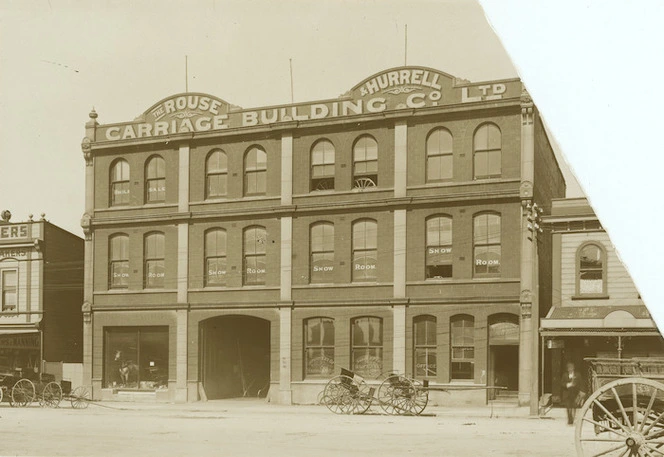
235, 251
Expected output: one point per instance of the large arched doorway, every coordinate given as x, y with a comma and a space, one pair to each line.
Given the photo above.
235, 356
504, 355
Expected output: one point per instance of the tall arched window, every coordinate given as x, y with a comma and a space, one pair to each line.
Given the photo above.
487, 146
155, 253
155, 180
591, 270
366, 355
462, 344
120, 183
439, 155
118, 266
439, 247
365, 163
216, 174
254, 255
255, 171
486, 244
215, 257
322, 166
322, 252
365, 250
425, 341
318, 346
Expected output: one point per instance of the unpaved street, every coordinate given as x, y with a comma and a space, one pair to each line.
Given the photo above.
253, 428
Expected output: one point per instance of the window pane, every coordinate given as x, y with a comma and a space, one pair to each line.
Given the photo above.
493, 134
493, 165
360, 332
215, 243
216, 271
156, 190
319, 361
591, 257
120, 274
156, 168
121, 361
136, 358
120, 193
155, 273
328, 332
9, 290
217, 162
481, 164
365, 265
322, 267
462, 370
255, 270
153, 359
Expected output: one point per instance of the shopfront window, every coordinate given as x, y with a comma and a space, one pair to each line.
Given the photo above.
424, 330
367, 346
215, 257
136, 357
486, 244
487, 145
591, 270
322, 166
120, 183
255, 172
439, 155
322, 252
155, 270
439, 247
155, 180
119, 261
462, 335
365, 163
319, 346
365, 250
254, 256
9, 286
216, 174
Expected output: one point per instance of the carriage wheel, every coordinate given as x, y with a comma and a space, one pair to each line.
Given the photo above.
51, 396
623, 418
80, 397
23, 393
400, 395
419, 398
345, 395
2, 393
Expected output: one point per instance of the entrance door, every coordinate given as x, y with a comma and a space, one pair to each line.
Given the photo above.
235, 356
504, 356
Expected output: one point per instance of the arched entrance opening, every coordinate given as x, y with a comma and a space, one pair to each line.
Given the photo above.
235, 356
504, 355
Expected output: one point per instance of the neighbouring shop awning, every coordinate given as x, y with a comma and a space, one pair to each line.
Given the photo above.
598, 321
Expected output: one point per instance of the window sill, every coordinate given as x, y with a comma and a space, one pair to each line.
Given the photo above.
590, 297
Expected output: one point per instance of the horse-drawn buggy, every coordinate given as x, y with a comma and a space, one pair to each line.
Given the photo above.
21, 390
624, 415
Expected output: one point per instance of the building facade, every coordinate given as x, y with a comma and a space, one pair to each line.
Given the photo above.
41, 283
597, 310
236, 251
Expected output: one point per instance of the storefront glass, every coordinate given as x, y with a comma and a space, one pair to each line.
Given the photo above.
136, 357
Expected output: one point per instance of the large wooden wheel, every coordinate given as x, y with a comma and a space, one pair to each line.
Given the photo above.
623, 418
80, 397
51, 395
346, 395
401, 395
23, 393
2, 393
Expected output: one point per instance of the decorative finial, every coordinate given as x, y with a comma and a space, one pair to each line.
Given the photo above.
43, 217
93, 114
30, 216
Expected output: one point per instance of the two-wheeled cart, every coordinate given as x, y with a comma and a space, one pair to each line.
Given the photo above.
624, 415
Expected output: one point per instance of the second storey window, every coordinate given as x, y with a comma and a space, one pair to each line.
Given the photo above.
486, 244
215, 257
365, 250
439, 247
366, 356
155, 252
254, 256
318, 346
255, 172
425, 345
322, 252
439, 155
216, 174
591, 270
487, 152
322, 166
155, 180
120, 183
119, 262
9, 286
365, 163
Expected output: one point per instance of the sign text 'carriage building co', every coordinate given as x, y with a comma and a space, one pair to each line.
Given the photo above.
235, 251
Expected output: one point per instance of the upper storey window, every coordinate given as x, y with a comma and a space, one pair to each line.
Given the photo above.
439, 247
322, 252
119, 261
155, 252
120, 183
591, 268
254, 255
216, 174
255, 171
9, 279
322, 166
365, 163
439, 155
486, 244
487, 149
365, 250
215, 257
155, 180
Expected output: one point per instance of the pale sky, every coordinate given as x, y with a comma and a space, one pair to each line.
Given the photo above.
592, 68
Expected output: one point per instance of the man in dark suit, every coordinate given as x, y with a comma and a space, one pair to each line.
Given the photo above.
572, 382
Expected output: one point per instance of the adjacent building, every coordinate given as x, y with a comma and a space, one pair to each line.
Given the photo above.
597, 311
233, 252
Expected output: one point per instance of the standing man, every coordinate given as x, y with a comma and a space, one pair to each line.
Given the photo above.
572, 381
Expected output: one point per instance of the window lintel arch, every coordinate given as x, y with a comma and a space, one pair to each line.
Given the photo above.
594, 286
487, 124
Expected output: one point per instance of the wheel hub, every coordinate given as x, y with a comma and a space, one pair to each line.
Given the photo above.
635, 440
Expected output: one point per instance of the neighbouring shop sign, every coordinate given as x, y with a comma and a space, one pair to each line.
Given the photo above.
13, 232
395, 89
13, 253
20, 341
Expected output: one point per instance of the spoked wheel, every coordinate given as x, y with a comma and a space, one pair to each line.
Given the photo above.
346, 395
2, 393
80, 397
23, 393
401, 395
51, 396
624, 418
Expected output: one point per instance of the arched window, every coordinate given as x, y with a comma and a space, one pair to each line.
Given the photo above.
439, 247
365, 163
255, 171
216, 174
366, 355
322, 252
591, 270
486, 244
118, 269
322, 166
425, 341
318, 346
120, 183
503, 329
155, 252
215, 257
439, 155
487, 146
365, 250
254, 255
155, 180
462, 343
